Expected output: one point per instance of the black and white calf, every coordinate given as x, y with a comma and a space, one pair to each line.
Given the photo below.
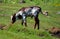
25, 12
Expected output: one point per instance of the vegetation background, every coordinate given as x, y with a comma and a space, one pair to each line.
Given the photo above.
17, 31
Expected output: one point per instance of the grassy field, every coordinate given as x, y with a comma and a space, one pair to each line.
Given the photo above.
17, 31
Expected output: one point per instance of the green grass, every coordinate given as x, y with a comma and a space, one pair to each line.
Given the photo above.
29, 32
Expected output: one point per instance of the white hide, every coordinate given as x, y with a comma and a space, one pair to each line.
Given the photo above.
34, 10
19, 13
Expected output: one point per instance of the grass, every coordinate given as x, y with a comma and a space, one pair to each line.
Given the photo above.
17, 31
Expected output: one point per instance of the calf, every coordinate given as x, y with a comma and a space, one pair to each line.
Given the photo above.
25, 12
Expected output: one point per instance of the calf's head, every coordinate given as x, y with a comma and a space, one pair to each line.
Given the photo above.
13, 18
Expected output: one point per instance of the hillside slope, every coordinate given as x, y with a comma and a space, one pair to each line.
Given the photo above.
17, 31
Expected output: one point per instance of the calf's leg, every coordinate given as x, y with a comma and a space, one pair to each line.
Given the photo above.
36, 22
24, 20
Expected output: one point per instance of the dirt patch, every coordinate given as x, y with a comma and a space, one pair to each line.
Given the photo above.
54, 31
3, 27
57, 35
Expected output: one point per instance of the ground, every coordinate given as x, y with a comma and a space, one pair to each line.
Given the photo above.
17, 31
